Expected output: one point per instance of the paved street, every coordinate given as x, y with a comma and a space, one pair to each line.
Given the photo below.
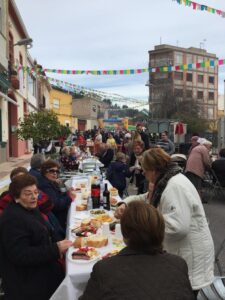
215, 212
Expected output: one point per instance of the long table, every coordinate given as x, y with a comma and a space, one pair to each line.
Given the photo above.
77, 274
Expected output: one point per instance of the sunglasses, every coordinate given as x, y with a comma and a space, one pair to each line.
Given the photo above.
53, 171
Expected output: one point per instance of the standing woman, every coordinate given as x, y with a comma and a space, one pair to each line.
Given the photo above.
186, 230
28, 254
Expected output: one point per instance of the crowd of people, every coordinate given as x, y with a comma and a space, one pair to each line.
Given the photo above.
164, 225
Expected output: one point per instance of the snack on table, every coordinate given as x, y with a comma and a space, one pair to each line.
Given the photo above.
86, 222
85, 253
104, 218
113, 201
84, 231
96, 212
113, 191
111, 253
96, 241
81, 207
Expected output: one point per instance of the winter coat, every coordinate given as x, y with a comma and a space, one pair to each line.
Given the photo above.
186, 230
198, 161
60, 200
133, 275
106, 157
28, 257
117, 173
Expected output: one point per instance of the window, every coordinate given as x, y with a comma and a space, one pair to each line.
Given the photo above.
31, 84
200, 95
189, 59
200, 78
179, 58
189, 93
211, 95
210, 112
21, 73
189, 77
56, 103
211, 79
11, 48
178, 75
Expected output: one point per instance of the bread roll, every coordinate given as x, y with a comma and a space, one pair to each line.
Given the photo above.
81, 207
97, 241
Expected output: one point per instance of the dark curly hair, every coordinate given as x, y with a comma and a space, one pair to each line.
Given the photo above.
48, 164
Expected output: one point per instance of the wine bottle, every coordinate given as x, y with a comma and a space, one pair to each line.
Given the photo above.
106, 198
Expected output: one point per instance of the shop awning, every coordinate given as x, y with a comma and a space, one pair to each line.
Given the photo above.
8, 99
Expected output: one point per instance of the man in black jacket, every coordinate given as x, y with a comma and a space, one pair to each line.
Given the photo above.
143, 135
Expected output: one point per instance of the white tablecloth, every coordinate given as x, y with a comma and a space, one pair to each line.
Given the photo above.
77, 274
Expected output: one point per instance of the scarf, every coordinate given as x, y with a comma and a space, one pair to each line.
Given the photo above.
161, 183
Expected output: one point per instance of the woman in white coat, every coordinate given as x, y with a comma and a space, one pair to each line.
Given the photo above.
186, 230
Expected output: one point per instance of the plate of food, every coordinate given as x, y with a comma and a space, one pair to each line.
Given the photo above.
93, 240
104, 218
84, 230
84, 255
97, 212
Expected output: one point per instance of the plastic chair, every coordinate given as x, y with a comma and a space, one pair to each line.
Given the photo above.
212, 185
214, 291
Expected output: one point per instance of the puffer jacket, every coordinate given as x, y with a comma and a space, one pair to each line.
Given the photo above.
186, 230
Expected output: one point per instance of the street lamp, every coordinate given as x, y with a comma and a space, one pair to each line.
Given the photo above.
25, 42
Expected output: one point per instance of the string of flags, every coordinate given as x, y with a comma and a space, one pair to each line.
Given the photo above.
202, 7
163, 69
91, 92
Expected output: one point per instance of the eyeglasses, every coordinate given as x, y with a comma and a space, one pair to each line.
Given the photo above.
53, 171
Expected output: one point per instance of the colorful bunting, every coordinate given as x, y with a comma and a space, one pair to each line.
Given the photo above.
164, 69
198, 6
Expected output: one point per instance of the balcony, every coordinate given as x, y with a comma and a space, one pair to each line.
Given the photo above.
4, 82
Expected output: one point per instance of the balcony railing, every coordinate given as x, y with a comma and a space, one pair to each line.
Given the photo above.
4, 82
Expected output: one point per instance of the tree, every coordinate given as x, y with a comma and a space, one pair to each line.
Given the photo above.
41, 126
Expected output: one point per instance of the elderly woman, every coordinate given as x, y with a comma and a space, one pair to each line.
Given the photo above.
49, 184
28, 256
186, 230
141, 270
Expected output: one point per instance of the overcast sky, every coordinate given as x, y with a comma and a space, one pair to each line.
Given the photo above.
116, 34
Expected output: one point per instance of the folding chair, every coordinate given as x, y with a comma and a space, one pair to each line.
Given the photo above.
214, 291
212, 185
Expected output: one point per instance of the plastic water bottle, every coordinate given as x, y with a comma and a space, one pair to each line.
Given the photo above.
89, 203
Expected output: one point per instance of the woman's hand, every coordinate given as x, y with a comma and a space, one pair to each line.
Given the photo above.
64, 245
119, 211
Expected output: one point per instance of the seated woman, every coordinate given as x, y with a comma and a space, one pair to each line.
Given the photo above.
68, 159
142, 270
28, 256
49, 184
5, 197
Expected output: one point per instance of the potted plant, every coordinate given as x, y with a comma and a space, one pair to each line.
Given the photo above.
15, 80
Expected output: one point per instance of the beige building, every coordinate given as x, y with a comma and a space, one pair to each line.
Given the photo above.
4, 80
199, 84
61, 104
88, 110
